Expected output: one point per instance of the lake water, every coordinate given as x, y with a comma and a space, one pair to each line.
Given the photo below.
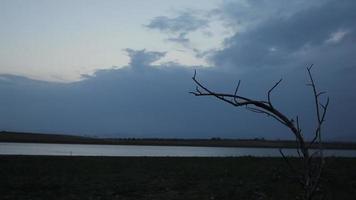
151, 151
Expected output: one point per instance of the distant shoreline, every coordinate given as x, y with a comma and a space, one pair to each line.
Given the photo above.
214, 142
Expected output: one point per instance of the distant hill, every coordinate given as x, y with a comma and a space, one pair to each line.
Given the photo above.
213, 142
44, 138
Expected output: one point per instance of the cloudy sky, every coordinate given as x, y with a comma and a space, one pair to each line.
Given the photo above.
124, 68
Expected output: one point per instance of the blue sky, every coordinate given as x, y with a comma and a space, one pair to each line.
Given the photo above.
123, 68
60, 40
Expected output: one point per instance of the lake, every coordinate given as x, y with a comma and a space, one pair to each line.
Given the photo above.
150, 151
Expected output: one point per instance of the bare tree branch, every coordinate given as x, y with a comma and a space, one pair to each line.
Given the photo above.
270, 90
312, 165
258, 104
236, 90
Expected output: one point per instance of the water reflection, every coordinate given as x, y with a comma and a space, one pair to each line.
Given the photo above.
154, 151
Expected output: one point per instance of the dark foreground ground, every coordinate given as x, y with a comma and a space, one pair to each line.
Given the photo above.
41, 177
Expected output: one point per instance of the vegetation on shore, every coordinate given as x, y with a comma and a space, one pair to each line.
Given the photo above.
213, 142
129, 178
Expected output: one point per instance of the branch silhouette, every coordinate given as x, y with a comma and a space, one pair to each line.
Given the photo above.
309, 175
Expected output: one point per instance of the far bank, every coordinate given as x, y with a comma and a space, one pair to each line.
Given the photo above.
212, 142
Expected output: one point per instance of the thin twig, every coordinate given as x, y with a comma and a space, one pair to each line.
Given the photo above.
270, 91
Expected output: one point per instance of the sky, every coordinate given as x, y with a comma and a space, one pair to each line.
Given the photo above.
124, 68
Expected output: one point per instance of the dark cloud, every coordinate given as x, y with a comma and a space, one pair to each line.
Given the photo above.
179, 26
180, 39
128, 103
142, 58
282, 43
250, 13
121, 102
302, 36
183, 23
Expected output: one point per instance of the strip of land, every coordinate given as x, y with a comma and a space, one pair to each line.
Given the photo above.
213, 142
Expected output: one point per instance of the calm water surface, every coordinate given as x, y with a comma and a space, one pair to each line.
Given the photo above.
154, 151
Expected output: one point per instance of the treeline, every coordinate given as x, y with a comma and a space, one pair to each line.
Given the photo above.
212, 142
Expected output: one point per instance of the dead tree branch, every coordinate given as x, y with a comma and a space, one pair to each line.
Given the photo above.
311, 172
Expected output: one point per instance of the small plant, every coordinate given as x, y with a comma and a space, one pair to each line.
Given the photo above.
309, 174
